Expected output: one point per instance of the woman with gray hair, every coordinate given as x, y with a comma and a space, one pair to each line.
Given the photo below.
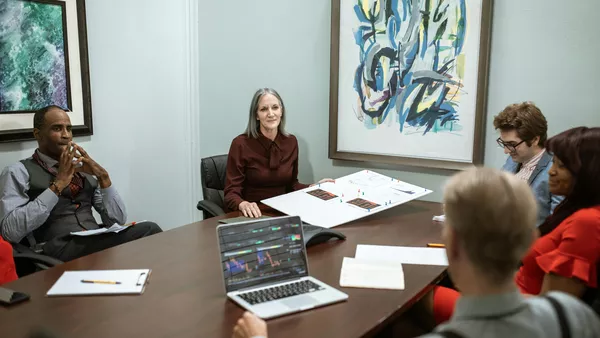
263, 161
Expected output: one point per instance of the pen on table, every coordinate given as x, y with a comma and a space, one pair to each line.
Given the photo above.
99, 281
436, 245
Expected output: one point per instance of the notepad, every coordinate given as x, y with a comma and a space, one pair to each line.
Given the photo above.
361, 273
403, 254
132, 282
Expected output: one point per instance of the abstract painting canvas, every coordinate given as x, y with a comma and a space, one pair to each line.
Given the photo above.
408, 81
43, 61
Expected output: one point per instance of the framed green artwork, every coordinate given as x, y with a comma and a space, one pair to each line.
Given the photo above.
43, 61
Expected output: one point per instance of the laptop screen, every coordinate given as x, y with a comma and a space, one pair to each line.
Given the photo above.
265, 251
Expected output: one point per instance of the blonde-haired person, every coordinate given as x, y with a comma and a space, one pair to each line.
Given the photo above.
490, 224
263, 161
566, 256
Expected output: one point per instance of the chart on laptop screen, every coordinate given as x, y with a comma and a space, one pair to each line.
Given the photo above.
261, 252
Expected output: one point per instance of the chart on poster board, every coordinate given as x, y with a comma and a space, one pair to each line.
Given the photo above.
348, 198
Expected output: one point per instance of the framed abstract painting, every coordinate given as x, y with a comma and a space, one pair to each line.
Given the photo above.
43, 61
409, 81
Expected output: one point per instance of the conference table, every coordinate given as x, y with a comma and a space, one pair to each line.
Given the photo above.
186, 298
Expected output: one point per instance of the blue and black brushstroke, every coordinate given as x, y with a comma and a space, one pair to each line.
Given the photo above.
408, 61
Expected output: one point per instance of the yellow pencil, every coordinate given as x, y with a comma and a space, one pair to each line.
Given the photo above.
436, 245
99, 281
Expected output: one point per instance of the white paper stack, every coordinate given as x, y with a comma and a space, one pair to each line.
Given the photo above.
116, 228
359, 273
380, 266
402, 254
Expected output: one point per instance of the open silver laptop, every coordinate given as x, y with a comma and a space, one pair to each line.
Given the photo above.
265, 269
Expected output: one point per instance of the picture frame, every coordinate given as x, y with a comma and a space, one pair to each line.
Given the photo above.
408, 85
44, 62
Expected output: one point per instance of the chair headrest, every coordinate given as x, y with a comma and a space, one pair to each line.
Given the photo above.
213, 172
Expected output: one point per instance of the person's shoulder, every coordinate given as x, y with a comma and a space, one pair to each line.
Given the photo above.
569, 302
586, 215
240, 140
14, 176
289, 138
15, 169
542, 308
546, 160
238, 146
582, 320
510, 165
565, 298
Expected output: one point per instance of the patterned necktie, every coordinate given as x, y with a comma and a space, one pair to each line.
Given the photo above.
76, 182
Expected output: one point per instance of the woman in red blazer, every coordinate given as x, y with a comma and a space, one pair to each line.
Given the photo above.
567, 254
7, 263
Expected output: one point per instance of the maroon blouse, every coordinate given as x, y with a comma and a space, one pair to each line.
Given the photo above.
258, 168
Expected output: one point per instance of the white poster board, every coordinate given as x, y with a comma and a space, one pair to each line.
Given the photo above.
351, 197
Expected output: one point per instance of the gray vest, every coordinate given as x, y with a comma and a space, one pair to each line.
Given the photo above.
70, 213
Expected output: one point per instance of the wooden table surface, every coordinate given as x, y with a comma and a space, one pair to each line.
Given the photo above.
186, 297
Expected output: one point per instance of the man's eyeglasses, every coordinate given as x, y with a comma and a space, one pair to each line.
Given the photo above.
512, 147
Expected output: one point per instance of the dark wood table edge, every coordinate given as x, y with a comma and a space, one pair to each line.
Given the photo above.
373, 328
405, 307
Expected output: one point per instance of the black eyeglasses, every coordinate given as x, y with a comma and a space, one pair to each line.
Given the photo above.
510, 146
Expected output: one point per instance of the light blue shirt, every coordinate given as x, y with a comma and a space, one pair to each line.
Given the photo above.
538, 181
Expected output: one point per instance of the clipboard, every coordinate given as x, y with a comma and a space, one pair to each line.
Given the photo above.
101, 282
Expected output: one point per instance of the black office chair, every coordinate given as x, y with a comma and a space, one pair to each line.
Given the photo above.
212, 172
27, 261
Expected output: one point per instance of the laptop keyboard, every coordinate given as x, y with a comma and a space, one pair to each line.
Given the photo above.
278, 292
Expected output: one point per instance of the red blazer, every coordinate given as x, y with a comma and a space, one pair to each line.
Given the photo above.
7, 263
571, 250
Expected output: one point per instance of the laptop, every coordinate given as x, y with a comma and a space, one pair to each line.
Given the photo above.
265, 269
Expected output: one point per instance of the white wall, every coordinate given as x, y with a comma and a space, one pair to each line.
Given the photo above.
144, 74
141, 78
545, 51
542, 50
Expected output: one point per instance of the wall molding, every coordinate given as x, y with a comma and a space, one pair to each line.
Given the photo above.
193, 106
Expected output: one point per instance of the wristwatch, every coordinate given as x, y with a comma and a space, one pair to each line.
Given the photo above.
54, 187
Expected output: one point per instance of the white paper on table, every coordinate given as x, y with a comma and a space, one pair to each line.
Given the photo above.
130, 282
116, 228
371, 274
402, 254
440, 218
380, 191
